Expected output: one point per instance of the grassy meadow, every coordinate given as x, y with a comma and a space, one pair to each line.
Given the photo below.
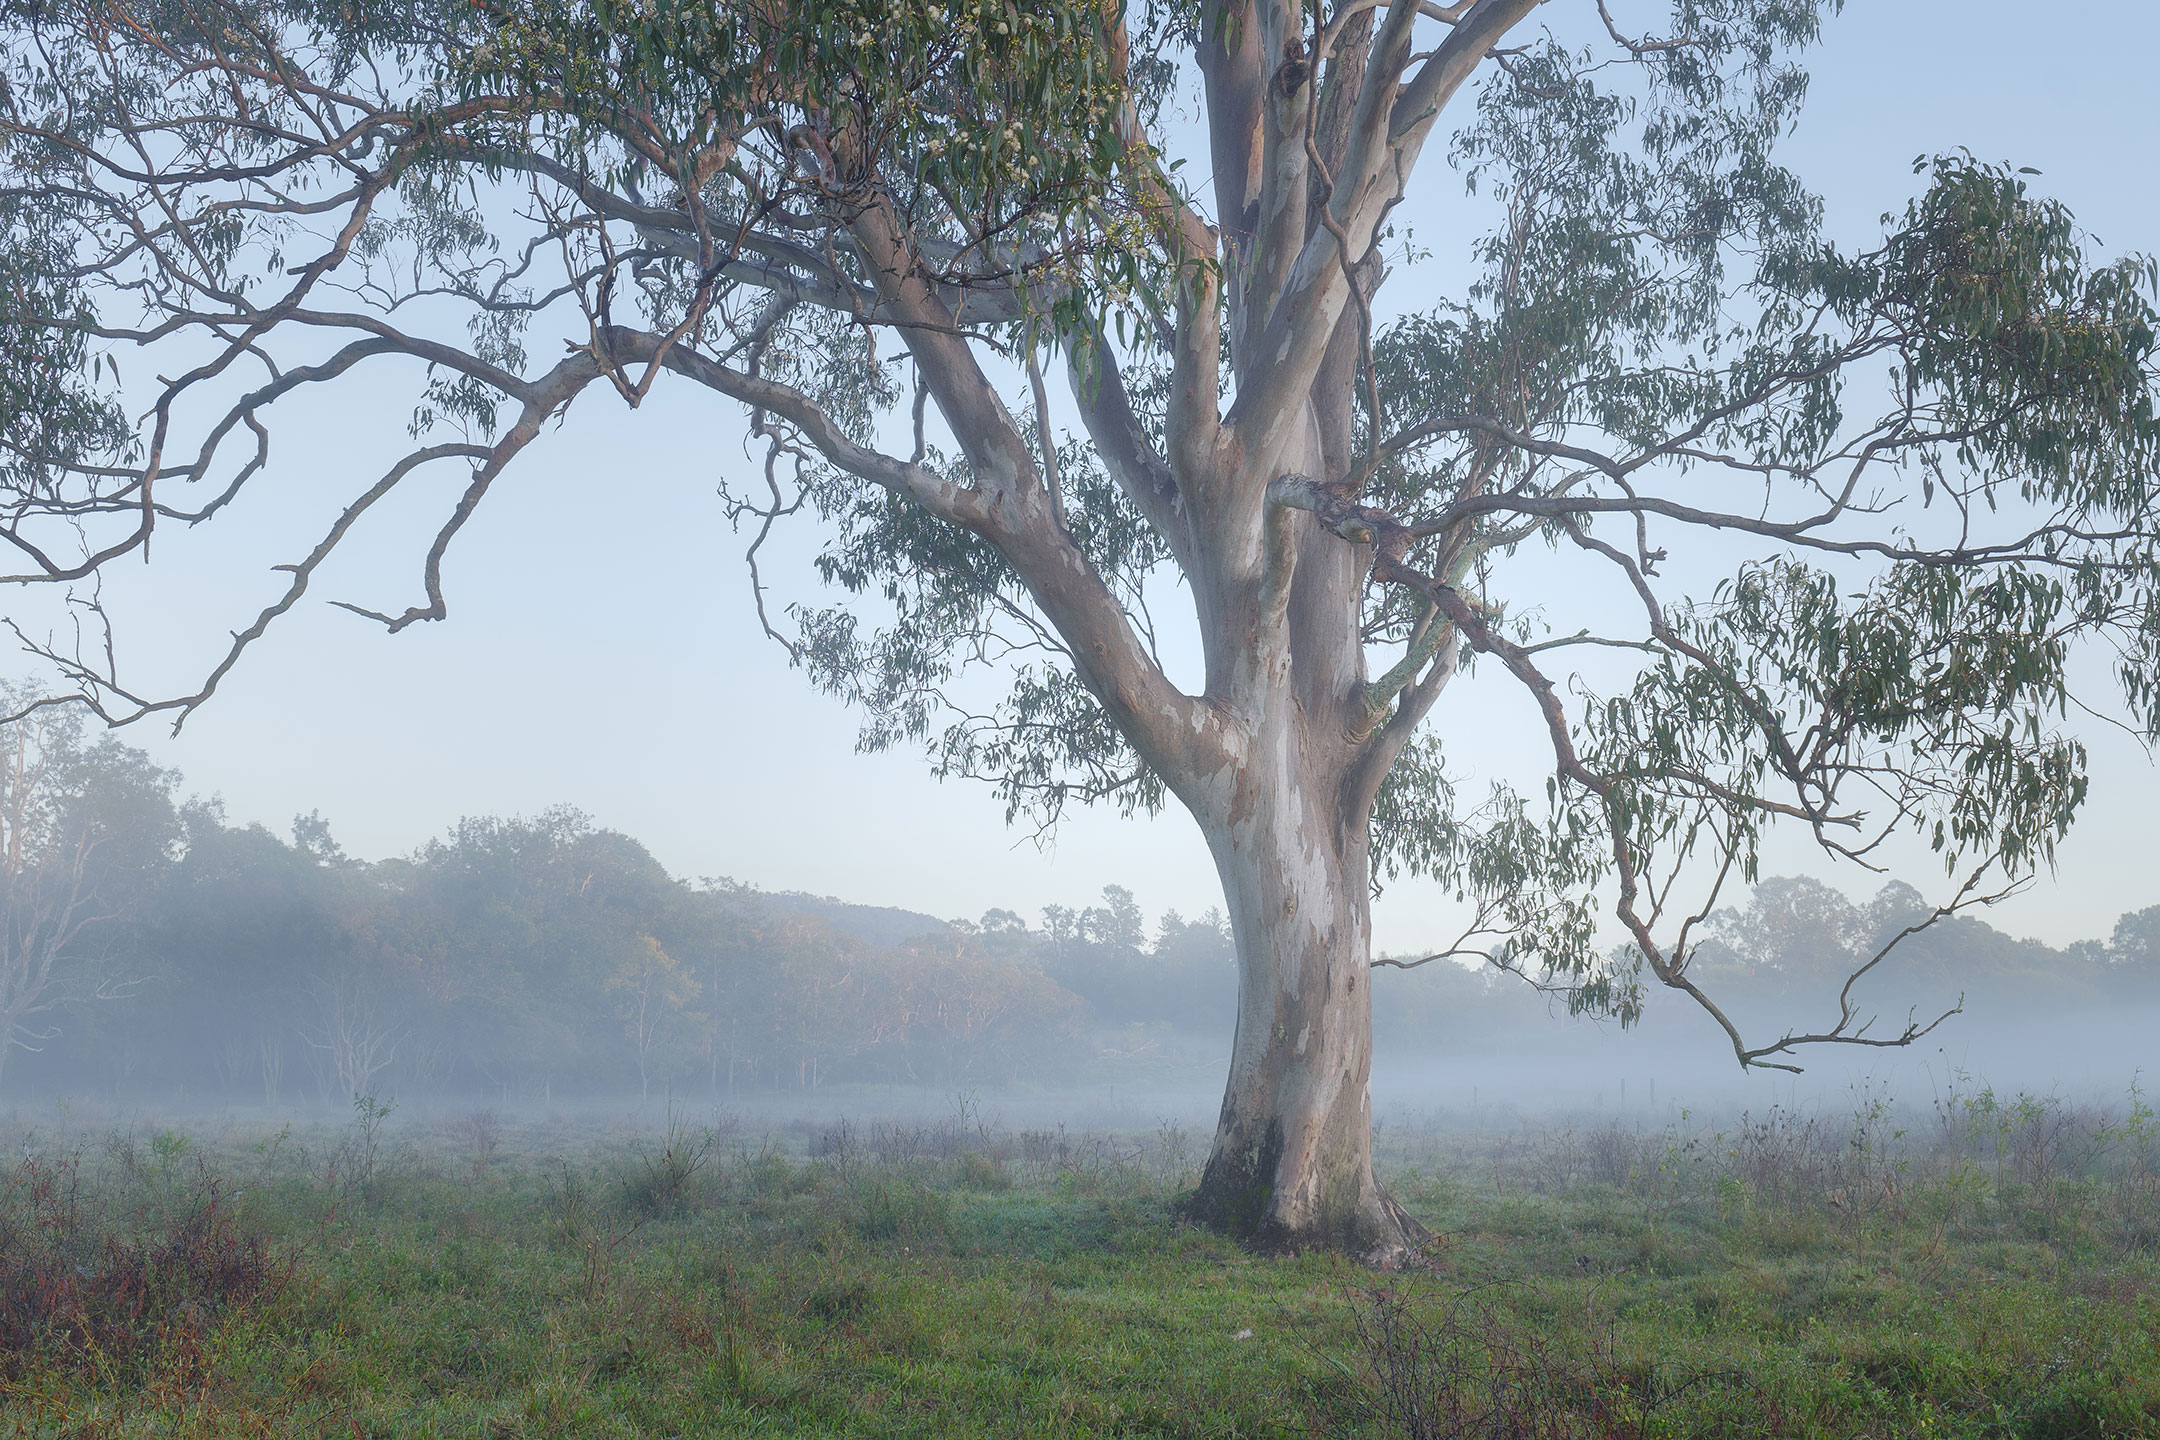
1986, 1266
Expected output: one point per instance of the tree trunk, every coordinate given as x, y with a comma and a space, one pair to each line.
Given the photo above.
1291, 1166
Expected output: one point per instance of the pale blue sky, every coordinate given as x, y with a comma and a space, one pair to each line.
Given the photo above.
601, 649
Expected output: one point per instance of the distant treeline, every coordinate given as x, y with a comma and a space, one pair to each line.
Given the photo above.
546, 956
154, 947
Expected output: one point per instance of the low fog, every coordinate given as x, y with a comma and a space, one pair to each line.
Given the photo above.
165, 958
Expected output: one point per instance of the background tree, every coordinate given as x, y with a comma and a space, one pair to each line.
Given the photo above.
653, 993
1797, 939
968, 1009
506, 938
81, 824
350, 1037
852, 218
2132, 954
243, 930
1187, 978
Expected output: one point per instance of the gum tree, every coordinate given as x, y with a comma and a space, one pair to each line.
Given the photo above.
1923, 468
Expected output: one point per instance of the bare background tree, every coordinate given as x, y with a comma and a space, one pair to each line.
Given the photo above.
61, 800
45, 881
871, 226
349, 1041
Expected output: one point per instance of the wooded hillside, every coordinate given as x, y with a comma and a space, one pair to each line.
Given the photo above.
548, 956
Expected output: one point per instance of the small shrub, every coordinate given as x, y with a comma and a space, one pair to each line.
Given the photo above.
80, 1292
586, 1229
772, 1177
981, 1172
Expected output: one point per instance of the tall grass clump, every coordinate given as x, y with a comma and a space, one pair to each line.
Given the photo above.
668, 1179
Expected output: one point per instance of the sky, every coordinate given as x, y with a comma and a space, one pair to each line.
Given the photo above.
602, 650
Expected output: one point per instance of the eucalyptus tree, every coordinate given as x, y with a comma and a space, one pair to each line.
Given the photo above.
878, 228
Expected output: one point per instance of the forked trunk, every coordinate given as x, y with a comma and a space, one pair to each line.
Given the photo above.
1291, 1166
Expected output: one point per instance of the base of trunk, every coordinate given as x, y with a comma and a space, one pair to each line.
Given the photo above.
1390, 1240
1252, 1199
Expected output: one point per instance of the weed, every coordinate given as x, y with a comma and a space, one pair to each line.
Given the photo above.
356, 1161
899, 1209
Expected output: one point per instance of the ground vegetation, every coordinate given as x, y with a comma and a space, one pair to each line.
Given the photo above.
1980, 1267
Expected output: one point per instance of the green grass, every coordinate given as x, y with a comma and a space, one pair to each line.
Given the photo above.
955, 1283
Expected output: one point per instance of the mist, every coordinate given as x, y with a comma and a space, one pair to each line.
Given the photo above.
547, 964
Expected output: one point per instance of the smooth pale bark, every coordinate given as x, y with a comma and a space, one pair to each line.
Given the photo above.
1288, 822
1291, 1166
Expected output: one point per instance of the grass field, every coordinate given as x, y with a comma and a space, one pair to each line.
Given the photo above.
1986, 1268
